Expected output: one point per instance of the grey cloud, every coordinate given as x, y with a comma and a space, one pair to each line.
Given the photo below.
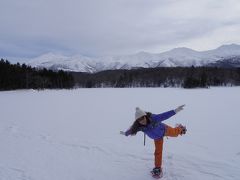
93, 27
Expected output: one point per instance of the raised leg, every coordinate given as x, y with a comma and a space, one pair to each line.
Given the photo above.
173, 132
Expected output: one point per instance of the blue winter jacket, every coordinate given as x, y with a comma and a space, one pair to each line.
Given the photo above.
155, 129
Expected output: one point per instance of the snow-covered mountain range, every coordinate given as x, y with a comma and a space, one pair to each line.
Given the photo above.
173, 58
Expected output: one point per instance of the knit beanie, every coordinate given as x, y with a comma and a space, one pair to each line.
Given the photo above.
139, 113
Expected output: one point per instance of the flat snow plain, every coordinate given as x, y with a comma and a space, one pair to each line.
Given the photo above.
74, 134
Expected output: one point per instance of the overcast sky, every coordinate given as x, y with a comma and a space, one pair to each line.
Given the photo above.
29, 28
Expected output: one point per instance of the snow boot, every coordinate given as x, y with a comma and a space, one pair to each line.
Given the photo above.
183, 129
157, 172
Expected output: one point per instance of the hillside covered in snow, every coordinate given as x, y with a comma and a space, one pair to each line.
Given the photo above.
174, 58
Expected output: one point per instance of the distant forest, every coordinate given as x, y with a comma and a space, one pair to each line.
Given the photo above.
16, 76
186, 77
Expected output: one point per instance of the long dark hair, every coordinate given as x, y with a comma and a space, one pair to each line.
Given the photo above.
136, 126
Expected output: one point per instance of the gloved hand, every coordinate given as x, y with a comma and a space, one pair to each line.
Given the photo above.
122, 133
179, 108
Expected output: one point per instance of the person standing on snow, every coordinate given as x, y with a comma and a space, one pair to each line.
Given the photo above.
151, 124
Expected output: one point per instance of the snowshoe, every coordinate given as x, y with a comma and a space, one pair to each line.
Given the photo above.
183, 129
157, 173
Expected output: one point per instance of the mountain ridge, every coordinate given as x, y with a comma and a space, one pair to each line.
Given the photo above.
181, 56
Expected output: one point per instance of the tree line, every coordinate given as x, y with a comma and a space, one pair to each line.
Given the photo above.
16, 76
186, 77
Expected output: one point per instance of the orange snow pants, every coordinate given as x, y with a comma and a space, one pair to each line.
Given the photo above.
172, 132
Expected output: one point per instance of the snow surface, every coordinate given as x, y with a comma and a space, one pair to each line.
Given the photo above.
74, 134
176, 57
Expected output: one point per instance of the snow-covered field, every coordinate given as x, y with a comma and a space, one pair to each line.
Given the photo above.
74, 134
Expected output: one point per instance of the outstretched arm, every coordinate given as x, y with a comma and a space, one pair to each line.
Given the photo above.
163, 116
167, 115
